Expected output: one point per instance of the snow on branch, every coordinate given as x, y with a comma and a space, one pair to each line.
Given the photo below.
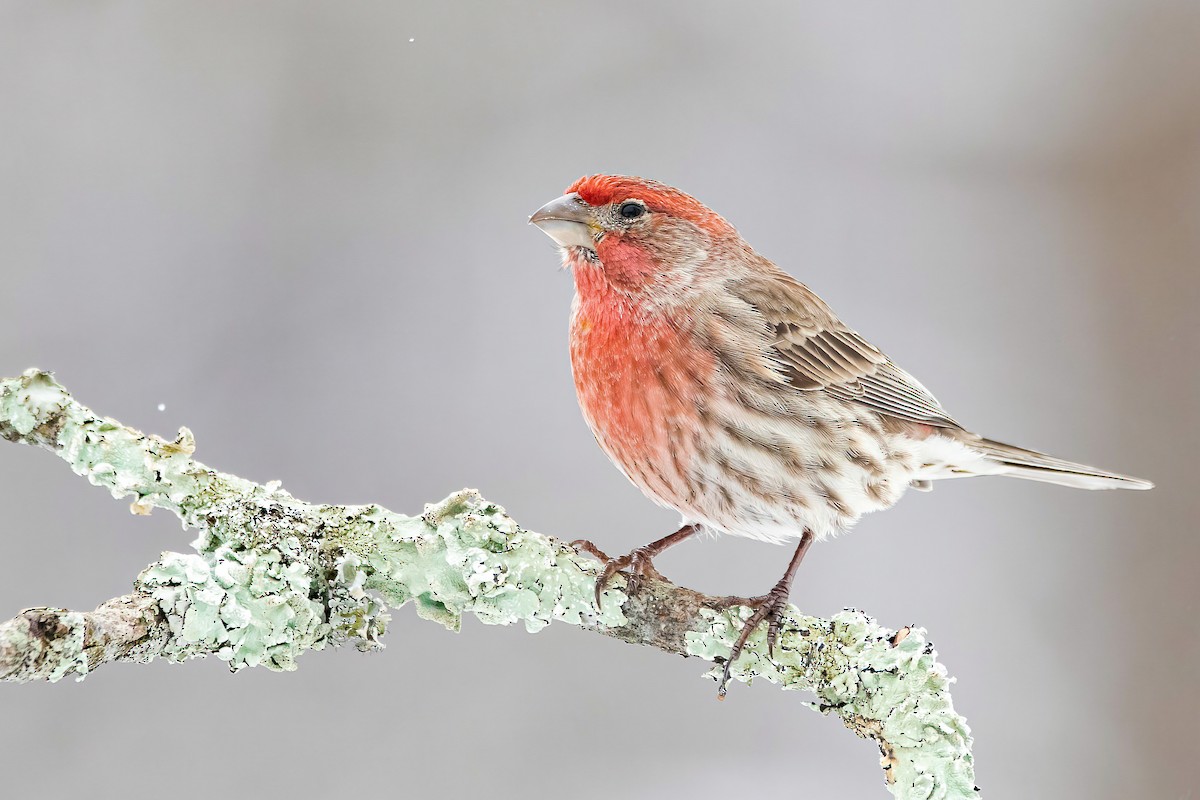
272, 576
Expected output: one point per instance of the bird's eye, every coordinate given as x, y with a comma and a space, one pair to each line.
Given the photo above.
631, 209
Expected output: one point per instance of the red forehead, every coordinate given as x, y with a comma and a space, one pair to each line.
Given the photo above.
599, 190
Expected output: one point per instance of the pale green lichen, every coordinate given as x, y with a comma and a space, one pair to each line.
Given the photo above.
273, 577
45, 643
249, 607
26, 402
65, 650
353, 613
249, 594
883, 684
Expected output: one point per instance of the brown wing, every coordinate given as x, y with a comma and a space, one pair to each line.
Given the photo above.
817, 352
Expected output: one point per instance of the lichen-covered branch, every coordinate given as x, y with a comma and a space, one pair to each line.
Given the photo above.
273, 576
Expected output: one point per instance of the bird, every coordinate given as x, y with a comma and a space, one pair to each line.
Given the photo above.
727, 390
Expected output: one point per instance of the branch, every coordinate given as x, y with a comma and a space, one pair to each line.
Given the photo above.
273, 576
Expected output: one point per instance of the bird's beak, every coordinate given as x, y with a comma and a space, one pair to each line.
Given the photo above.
567, 220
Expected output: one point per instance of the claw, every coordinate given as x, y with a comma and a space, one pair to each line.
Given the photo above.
611, 567
773, 621
770, 608
588, 547
638, 562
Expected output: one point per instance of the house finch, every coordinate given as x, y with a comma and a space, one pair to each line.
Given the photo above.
727, 390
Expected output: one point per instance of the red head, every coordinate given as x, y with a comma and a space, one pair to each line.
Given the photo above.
657, 198
639, 232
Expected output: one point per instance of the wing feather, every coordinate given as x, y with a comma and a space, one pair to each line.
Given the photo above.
815, 351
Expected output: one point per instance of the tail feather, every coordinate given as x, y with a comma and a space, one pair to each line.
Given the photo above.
1032, 465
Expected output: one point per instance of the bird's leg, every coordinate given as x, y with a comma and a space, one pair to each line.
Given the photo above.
638, 563
770, 608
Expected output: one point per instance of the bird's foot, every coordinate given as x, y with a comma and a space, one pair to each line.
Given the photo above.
636, 564
770, 608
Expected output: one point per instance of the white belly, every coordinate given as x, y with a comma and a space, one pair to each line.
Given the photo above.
769, 476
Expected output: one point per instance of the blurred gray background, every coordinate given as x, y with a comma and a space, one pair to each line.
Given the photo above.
301, 228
